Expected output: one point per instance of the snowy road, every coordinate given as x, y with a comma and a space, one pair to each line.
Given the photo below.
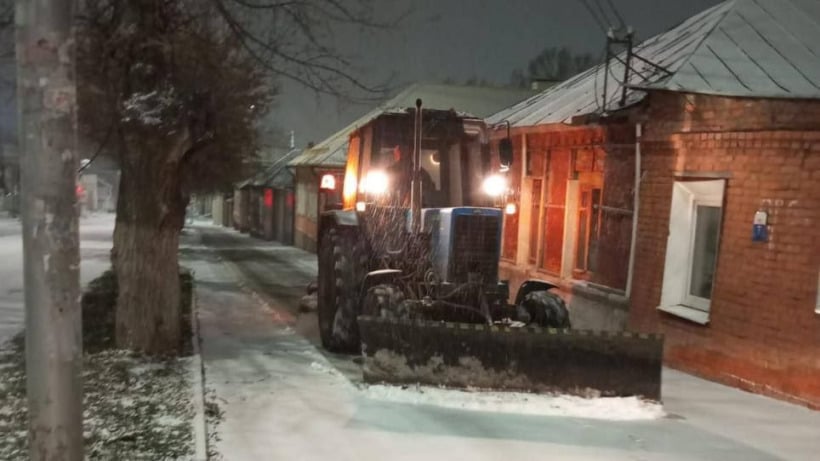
284, 398
95, 247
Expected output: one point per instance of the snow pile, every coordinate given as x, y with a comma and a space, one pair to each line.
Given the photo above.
604, 408
327, 369
150, 109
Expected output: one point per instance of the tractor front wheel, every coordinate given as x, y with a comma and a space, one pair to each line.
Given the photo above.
385, 301
342, 268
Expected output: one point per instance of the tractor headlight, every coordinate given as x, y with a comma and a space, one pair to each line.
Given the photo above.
376, 182
495, 185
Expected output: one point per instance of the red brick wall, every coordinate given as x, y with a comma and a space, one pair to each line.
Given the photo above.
616, 217
763, 333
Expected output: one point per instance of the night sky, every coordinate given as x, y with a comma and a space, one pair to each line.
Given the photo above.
462, 39
440, 39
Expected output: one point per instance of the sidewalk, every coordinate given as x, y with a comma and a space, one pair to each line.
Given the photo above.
283, 398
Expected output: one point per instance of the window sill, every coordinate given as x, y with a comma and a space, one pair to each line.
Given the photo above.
688, 313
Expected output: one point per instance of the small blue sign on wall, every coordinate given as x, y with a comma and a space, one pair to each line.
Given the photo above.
760, 231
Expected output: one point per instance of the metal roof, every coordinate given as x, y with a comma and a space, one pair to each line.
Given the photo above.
277, 175
742, 48
473, 100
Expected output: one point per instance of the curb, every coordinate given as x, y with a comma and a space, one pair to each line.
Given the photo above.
197, 370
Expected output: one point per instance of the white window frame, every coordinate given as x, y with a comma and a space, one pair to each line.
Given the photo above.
686, 196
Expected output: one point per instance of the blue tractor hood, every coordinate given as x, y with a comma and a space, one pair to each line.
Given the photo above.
466, 242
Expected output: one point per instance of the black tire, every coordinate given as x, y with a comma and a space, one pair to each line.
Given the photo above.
546, 309
342, 268
385, 301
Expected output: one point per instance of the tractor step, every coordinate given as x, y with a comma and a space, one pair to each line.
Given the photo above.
529, 359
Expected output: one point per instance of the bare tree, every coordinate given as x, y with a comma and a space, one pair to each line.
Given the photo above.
553, 64
47, 96
175, 89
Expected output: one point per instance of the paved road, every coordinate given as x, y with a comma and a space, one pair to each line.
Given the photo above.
95, 248
283, 398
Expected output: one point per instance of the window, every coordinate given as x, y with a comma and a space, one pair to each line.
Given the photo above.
703, 255
589, 213
534, 219
554, 211
692, 248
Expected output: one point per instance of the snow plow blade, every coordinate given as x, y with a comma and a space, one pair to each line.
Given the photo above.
529, 359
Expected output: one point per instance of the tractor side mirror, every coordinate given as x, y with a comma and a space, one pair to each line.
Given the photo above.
505, 152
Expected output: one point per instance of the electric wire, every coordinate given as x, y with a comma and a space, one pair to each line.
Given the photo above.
620, 18
603, 13
594, 16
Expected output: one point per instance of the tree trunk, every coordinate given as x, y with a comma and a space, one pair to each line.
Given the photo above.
150, 215
48, 146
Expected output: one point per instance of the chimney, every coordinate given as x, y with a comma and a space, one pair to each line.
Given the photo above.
292, 140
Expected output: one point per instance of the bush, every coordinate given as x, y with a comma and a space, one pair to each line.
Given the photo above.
99, 309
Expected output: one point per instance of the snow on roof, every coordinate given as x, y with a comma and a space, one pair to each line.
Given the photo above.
743, 48
277, 175
468, 100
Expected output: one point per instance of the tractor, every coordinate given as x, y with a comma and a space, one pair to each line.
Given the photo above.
419, 235
409, 260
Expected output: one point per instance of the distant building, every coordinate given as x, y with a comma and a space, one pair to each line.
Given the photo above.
266, 202
712, 236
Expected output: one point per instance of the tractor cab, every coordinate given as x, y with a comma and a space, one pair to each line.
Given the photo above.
440, 159
416, 178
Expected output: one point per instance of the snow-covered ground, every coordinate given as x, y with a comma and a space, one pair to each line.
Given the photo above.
282, 397
612, 409
95, 247
134, 407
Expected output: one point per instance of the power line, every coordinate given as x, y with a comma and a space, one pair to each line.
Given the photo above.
595, 16
603, 13
595, 80
99, 149
617, 14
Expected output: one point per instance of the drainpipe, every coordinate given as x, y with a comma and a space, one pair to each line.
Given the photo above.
635, 207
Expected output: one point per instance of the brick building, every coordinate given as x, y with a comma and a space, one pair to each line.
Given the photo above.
724, 117
751, 319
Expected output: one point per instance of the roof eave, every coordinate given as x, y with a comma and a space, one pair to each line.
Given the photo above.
727, 94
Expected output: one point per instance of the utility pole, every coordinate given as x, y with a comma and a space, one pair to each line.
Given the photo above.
46, 93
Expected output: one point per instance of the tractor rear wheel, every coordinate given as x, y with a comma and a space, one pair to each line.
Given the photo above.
342, 268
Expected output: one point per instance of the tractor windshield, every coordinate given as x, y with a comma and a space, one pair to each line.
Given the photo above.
453, 166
